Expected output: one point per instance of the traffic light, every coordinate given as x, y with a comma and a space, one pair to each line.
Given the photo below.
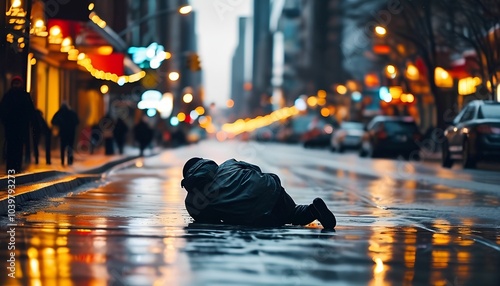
193, 62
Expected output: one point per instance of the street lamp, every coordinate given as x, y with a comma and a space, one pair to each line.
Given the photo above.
185, 10
187, 98
173, 76
391, 71
412, 72
381, 31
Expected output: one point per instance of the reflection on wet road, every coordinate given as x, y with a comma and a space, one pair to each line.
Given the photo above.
414, 227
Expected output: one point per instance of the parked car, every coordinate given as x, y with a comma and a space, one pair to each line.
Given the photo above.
196, 134
264, 134
318, 134
391, 136
303, 128
348, 136
474, 135
321, 140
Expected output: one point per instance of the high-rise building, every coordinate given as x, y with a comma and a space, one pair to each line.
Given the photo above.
259, 101
241, 80
161, 24
286, 28
321, 64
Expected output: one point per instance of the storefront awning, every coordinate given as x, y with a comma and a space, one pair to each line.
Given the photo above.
465, 66
458, 69
89, 42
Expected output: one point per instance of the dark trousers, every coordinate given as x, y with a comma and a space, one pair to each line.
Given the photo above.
67, 145
36, 142
121, 144
142, 147
14, 155
109, 147
27, 148
286, 211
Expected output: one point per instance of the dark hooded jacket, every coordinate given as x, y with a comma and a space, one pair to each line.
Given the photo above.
235, 192
67, 121
16, 112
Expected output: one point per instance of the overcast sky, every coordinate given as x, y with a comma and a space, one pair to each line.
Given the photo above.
217, 28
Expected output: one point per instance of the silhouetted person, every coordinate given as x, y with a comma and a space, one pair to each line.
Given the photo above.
120, 134
95, 137
67, 121
179, 137
237, 192
41, 129
107, 125
16, 113
143, 134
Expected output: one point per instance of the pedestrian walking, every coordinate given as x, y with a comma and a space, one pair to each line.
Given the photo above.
143, 134
41, 129
120, 134
107, 125
237, 192
179, 137
16, 113
95, 137
67, 121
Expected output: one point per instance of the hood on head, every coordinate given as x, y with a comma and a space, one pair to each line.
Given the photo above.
189, 164
200, 174
16, 79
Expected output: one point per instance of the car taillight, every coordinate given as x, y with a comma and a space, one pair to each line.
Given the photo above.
488, 129
381, 134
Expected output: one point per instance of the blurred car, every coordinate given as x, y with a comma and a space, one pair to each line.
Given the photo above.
474, 135
321, 140
264, 134
318, 135
303, 128
348, 136
195, 135
391, 136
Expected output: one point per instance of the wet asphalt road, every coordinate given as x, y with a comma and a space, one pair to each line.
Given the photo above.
399, 223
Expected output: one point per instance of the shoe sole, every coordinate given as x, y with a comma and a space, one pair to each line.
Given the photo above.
324, 213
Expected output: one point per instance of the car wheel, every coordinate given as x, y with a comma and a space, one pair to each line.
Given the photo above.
375, 153
341, 148
446, 161
332, 148
363, 152
469, 161
415, 157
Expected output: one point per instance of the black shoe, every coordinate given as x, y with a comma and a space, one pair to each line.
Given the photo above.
323, 214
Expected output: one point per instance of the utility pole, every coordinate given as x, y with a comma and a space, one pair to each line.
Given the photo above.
26, 49
3, 44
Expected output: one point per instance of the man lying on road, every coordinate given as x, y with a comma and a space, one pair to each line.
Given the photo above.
238, 192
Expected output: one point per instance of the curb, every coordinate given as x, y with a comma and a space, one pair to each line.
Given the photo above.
108, 166
44, 192
30, 178
58, 187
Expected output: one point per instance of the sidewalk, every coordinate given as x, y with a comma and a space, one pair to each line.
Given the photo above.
42, 180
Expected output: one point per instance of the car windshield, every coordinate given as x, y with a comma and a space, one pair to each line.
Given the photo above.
352, 125
489, 111
400, 127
